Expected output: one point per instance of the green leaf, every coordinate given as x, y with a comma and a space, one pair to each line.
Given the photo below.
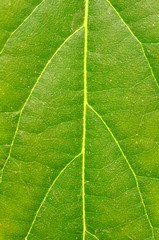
79, 120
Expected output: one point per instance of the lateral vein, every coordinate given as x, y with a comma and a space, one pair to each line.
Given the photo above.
46, 195
92, 235
130, 167
22, 109
21, 25
140, 43
84, 116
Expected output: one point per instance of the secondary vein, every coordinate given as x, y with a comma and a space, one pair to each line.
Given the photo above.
21, 25
129, 165
31, 92
84, 115
92, 235
140, 43
47, 193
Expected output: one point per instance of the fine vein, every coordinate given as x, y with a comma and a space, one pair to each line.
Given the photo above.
92, 235
21, 25
84, 116
21, 111
140, 43
130, 167
44, 199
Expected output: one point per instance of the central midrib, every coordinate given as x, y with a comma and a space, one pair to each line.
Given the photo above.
84, 115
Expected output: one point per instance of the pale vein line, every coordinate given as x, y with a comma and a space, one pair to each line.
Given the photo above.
92, 235
21, 111
151, 178
130, 238
84, 116
46, 195
21, 25
140, 43
130, 167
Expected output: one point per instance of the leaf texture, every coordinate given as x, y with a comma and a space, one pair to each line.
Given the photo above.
79, 120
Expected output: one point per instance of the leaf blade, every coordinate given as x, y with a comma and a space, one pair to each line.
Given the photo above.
95, 91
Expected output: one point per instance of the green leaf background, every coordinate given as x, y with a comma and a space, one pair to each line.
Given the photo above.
79, 120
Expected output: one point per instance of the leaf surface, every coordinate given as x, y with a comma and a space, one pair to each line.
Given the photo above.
79, 120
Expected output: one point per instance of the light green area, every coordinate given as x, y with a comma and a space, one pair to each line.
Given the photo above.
79, 120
